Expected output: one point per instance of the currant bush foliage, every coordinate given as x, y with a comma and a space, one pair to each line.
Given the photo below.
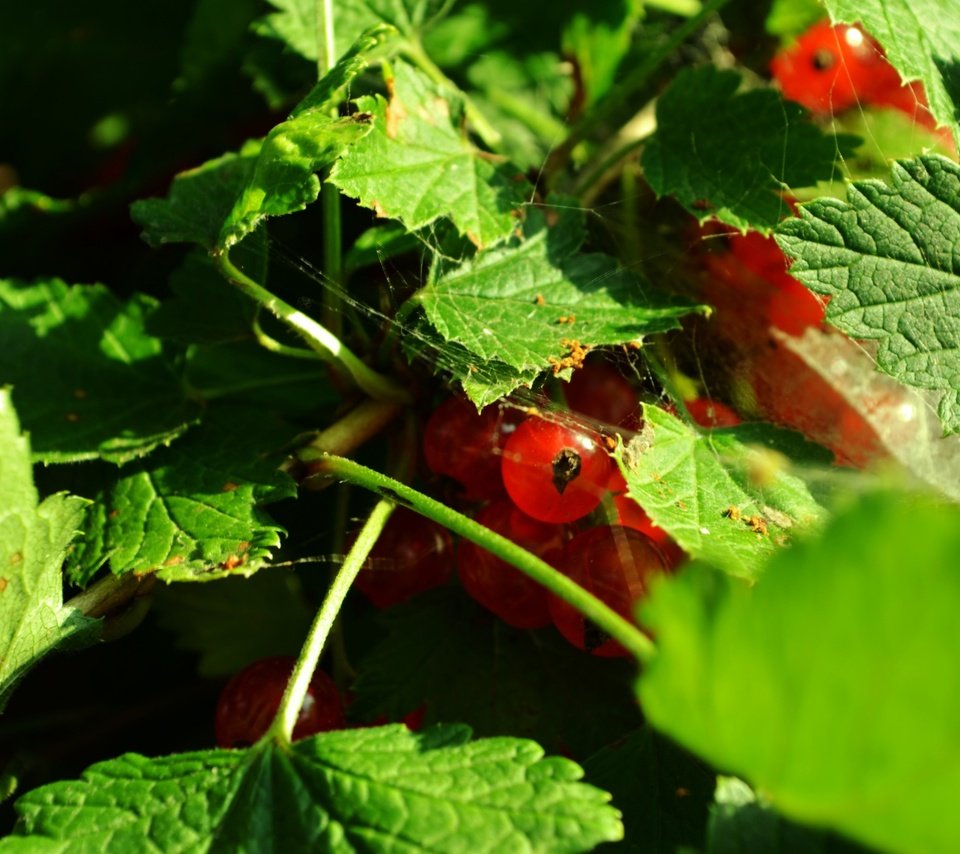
34, 537
515, 211
376, 789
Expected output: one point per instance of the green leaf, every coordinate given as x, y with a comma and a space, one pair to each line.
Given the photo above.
243, 372
417, 165
380, 243
740, 824
236, 621
524, 304
198, 202
296, 22
921, 38
806, 683
88, 380
521, 683
284, 177
205, 307
727, 502
34, 537
731, 155
383, 789
193, 511
887, 258
662, 791
329, 90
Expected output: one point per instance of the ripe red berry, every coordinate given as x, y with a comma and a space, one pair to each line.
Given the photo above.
712, 413
412, 554
632, 515
832, 68
616, 565
599, 391
554, 472
499, 587
464, 444
249, 702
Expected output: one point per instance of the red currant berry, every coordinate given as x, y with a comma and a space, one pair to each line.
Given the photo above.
464, 444
616, 565
711, 413
632, 515
599, 391
499, 587
791, 307
554, 472
249, 702
412, 554
832, 68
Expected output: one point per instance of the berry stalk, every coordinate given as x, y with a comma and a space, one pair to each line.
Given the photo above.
621, 630
317, 336
281, 730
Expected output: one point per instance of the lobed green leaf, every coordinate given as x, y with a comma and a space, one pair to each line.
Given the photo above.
731, 155
528, 305
921, 38
89, 380
417, 164
34, 536
887, 259
192, 511
295, 22
731, 502
198, 202
383, 789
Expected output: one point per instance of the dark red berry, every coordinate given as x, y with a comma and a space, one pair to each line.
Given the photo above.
464, 444
249, 703
632, 515
711, 413
615, 564
499, 587
412, 554
555, 472
599, 391
832, 68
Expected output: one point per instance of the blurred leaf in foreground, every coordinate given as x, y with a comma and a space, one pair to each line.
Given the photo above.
806, 683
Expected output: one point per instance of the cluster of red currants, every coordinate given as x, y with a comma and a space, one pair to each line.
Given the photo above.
534, 477
833, 68
546, 481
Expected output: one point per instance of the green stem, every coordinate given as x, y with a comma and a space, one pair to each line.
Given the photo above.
332, 257
481, 124
317, 336
110, 593
268, 342
281, 730
608, 161
330, 195
326, 43
352, 430
621, 630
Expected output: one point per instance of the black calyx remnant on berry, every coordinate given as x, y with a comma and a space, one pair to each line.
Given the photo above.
566, 468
